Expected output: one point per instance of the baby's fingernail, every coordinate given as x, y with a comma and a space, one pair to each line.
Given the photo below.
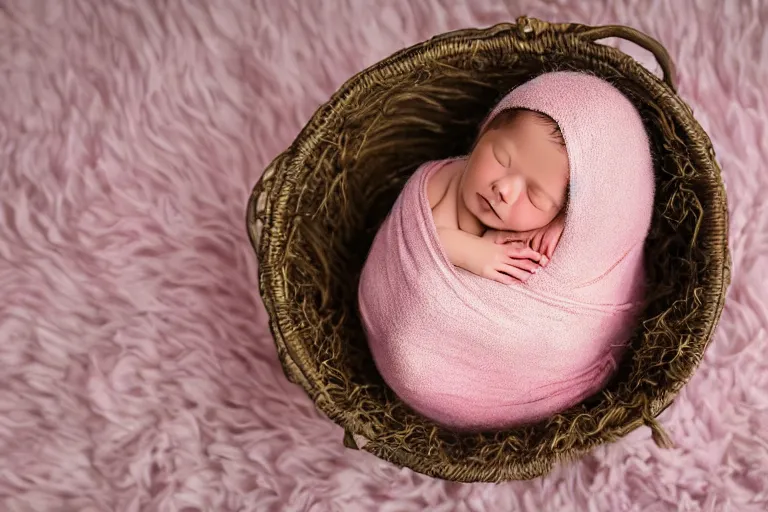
535, 270
544, 260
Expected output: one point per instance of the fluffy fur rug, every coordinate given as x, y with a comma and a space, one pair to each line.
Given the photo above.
136, 371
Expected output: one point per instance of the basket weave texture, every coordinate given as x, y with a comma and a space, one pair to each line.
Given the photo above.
313, 214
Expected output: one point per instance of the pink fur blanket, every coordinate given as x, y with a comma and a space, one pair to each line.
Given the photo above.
473, 353
137, 371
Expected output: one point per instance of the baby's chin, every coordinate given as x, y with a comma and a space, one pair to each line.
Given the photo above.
517, 227
490, 221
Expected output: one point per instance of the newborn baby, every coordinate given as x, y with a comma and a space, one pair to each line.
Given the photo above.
473, 318
512, 188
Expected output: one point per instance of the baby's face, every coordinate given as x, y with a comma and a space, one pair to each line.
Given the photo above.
516, 177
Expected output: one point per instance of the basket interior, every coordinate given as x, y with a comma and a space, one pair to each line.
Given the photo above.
348, 180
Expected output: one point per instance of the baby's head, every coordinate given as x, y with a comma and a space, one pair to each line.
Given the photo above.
607, 172
516, 178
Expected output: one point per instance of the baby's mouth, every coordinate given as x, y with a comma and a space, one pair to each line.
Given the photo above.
490, 205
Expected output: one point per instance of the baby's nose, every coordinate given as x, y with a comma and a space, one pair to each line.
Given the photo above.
508, 189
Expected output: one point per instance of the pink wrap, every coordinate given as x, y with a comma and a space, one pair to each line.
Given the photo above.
471, 353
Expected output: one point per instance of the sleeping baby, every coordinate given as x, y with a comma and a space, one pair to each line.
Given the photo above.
503, 286
511, 190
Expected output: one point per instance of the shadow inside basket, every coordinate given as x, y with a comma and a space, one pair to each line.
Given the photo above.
377, 137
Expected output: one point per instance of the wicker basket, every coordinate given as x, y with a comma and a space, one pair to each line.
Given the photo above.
314, 213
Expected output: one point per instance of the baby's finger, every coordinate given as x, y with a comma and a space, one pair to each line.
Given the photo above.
548, 246
504, 278
545, 251
518, 273
527, 265
523, 253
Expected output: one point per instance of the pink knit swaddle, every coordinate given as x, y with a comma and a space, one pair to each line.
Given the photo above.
471, 353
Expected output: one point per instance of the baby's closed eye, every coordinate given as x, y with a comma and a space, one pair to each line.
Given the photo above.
538, 198
502, 157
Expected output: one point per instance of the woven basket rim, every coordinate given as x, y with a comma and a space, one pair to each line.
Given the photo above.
542, 37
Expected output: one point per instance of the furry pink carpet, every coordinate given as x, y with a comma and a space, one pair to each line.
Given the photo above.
136, 371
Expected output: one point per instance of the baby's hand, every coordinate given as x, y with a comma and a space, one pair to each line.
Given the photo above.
506, 237
505, 263
500, 237
543, 240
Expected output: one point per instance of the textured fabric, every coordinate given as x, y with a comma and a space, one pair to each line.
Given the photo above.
472, 353
136, 369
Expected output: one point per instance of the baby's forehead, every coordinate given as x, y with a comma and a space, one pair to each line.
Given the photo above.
526, 117
534, 134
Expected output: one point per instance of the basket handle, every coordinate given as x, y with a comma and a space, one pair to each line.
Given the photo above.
528, 26
645, 41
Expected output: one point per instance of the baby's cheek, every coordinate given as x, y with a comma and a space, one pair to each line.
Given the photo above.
480, 174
